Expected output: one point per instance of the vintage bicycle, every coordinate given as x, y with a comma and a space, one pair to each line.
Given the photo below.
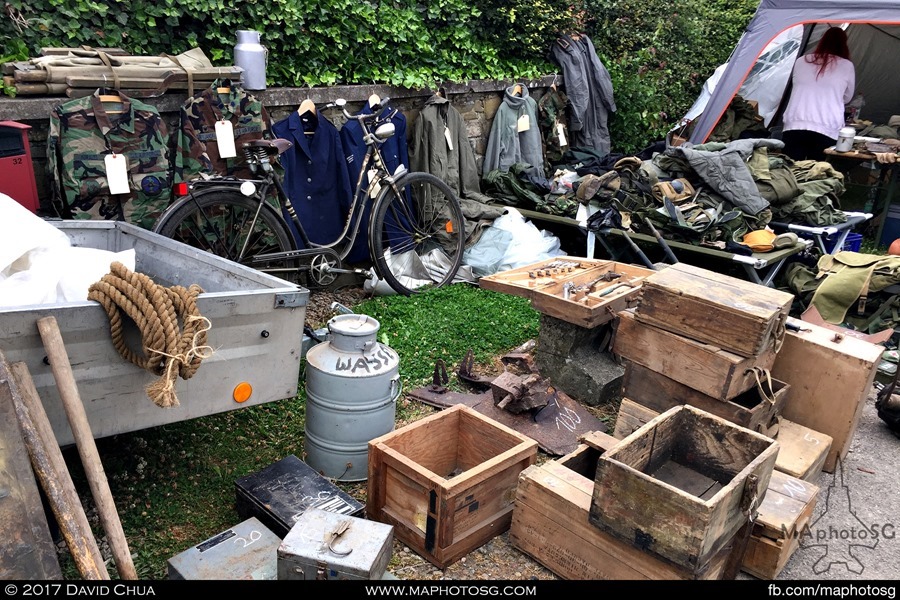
416, 228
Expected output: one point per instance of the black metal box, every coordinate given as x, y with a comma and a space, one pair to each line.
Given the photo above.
280, 493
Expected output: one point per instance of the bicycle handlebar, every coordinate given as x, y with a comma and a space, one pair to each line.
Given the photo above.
342, 104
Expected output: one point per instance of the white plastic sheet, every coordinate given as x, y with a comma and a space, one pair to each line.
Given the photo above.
39, 265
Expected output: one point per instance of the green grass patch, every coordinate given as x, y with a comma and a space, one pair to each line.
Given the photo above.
173, 485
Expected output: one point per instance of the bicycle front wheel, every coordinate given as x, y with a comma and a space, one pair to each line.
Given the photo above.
226, 223
417, 238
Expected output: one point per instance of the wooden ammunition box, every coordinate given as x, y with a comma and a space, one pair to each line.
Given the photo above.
546, 287
783, 516
551, 524
801, 451
737, 316
707, 368
750, 409
679, 485
831, 375
447, 482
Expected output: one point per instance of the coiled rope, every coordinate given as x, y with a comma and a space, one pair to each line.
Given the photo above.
170, 324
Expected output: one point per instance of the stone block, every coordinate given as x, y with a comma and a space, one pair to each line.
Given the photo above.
576, 361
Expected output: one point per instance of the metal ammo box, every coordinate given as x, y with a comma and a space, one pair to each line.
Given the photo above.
326, 545
279, 494
246, 551
257, 330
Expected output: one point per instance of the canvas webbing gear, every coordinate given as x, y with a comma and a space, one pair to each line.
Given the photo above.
156, 310
759, 373
188, 72
105, 59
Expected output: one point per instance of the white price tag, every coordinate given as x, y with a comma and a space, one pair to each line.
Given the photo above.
225, 139
561, 133
448, 138
523, 124
117, 173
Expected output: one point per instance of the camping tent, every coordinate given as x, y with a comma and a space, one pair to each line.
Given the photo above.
873, 31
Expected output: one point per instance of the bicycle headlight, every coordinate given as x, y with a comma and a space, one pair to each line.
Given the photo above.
248, 188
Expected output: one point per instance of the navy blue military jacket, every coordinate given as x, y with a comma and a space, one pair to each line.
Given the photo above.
316, 179
395, 152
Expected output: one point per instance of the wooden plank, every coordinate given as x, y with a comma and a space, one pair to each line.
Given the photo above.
684, 478
27, 551
660, 393
631, 417
599, 440
830, 376
686, 300
803, 450
709, 369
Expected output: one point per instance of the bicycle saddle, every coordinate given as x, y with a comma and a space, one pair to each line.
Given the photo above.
278, 145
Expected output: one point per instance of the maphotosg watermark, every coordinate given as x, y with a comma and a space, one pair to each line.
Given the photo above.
834, 591
838, 533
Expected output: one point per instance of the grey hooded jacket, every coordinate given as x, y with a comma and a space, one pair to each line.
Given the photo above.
590, 91
506, 144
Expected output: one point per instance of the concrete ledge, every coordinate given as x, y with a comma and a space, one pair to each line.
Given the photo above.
37, 108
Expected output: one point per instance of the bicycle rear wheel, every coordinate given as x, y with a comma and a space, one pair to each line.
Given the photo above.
221, 222
416, 239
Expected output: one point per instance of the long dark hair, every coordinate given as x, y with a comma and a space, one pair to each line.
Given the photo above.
832, 44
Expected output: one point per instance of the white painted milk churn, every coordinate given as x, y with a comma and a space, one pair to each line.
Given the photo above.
251, 56
352, 386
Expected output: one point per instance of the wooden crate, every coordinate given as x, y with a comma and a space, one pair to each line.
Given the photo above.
660, 393
783, 516
830, 376
801, 451
675, 486
447, 482
737, 316
550, 523
704, 367
585, 308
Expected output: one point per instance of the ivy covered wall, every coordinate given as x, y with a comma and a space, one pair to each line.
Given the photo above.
658, 52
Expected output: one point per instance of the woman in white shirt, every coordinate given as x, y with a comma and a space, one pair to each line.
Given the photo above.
822, 84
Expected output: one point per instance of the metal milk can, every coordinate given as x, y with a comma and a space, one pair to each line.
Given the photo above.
352, 386
252, 57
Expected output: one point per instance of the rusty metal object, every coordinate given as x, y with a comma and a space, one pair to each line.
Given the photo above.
467, 374
439, 378
518, 394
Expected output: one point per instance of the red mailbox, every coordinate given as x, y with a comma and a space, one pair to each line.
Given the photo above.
16, 169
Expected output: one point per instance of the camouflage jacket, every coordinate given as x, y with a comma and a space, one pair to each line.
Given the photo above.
82, 133
552, 120
196, 149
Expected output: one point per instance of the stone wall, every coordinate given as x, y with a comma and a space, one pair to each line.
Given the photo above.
477, 101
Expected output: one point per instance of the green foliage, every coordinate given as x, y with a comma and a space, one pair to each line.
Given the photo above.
659, 52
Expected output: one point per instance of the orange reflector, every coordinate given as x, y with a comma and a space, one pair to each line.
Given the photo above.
242, 392
180, 189
449, 226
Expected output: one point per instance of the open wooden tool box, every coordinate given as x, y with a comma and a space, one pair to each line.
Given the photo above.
582, 291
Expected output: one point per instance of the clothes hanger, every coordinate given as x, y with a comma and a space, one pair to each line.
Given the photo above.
517, 90
555, 78
307, 106
374, 100
112, 99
